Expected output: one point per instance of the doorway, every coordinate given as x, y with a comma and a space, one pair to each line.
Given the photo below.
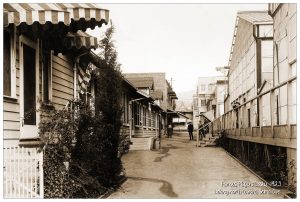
29, 88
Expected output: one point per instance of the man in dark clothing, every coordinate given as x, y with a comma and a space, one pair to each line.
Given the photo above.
190, 130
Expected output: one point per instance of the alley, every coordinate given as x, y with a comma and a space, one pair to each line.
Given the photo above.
180, 170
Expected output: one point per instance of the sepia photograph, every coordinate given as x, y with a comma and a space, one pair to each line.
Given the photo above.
151, 100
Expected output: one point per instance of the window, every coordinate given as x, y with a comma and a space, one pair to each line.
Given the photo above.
202, 103
6, 64
137, 110
249, 118
202, 87
9, 77
144, 116
47, 73
125, 116
126, 113
29, 59
210, 86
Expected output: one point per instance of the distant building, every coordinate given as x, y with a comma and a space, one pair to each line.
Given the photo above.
156, 86
185, 116
208, 103
141, 119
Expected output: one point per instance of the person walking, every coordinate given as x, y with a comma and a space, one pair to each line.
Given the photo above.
190, 130
169, 132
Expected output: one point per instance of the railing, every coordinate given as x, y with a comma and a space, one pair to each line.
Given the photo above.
260, 117
201, 129
23, 173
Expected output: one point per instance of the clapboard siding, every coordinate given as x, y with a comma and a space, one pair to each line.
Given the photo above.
11, 107
65, 70
62, 83
11, 116
11, 134
62, 75
67, 89
11, 125
62, 94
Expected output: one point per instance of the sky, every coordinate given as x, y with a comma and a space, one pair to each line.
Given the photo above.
186, 41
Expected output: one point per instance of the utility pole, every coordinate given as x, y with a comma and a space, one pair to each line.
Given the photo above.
172, 82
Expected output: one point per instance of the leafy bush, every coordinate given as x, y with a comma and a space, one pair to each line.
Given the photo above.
81, 158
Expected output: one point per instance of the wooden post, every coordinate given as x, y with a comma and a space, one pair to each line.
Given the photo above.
197, 143
271, 111
41, 174
288, 113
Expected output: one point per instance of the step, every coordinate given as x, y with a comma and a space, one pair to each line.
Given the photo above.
140, 143
211, 144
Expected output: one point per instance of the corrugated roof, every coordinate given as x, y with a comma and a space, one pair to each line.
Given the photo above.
255, 17
141, 82
156, 94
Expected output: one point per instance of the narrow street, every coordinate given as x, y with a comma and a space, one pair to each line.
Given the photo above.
180, 170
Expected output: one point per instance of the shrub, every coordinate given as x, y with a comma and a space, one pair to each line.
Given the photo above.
81, 147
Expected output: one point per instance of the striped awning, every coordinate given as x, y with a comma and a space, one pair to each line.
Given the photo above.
80, 40
75, 16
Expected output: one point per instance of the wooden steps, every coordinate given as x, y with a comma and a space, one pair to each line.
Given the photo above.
140, 143
209, 140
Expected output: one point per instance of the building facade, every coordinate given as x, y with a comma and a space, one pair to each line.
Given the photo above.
142, 119
250, 62
284, 72
260, 107
157, 87
208, 103
37, 70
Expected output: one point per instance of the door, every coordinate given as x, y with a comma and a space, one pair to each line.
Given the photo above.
29, 88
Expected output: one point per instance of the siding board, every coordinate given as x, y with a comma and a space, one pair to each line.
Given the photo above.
11, 125
62, 75
11, 116
63, 82
13, 107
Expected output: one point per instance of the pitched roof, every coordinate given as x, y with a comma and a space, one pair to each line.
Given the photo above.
141, 82
156, 94
255, 17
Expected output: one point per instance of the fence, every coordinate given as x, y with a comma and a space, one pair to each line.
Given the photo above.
23, 173
261, 119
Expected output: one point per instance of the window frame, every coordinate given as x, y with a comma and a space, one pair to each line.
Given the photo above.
13, 77
50, 69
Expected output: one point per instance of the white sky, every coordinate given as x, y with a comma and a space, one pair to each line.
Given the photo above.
186, 41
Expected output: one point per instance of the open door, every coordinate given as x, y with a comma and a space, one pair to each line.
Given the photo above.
29, 88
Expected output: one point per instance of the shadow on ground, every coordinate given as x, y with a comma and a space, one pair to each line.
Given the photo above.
165, 151
166, 188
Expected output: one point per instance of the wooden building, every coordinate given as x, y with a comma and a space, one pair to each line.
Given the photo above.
142, 119
260, 114
42, 43
156, 86
44, 46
